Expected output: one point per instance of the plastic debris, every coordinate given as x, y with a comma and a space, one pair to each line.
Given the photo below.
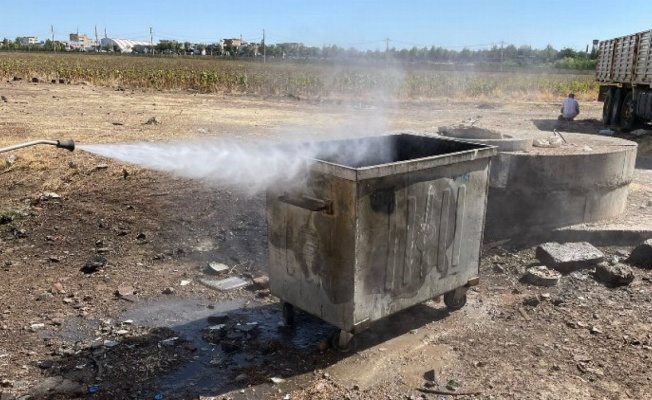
225, 284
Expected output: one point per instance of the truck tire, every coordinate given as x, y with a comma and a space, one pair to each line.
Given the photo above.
628, 113
606, 106
616, 104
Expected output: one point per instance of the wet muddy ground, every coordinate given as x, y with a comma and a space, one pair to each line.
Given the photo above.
141, 324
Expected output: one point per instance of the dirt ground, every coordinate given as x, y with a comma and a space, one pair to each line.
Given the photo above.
101, 263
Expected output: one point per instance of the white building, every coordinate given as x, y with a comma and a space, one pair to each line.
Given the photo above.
26, 40
124, 45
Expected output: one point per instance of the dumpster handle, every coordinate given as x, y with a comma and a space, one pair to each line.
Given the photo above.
307, 202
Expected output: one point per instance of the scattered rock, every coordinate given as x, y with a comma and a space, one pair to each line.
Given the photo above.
220, 318
614, 275
123, 291
622, 253
540, 275
642, 255
11, 160
217, 268
551, 142
56, 386
169, 290
452, 385
261, 282
46, 364
595, 330
569, 257
101, 166
153, 121
499, 269
95, 263
45, 196
430, 376
35, 80
4, 99
44, 296
185, 282
531, 301
36, 327
578, 275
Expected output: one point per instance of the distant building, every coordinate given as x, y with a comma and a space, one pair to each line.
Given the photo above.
234, 42
79, 42
80, 38
125, 46
27, 40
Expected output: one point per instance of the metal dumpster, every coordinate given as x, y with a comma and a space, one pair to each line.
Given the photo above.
378, 225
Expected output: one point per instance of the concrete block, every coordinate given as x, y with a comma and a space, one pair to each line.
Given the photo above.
642, 255
569, 257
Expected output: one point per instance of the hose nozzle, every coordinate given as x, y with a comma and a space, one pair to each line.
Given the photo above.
66, 144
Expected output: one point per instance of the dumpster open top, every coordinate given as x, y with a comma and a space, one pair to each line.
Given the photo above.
368, 157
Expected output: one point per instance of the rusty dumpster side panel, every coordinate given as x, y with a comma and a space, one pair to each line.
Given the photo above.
422, 233
312, 254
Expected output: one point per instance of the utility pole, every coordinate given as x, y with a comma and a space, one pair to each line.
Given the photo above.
97, 42
501, 56
151, 39
387, 50
264, 50
54, 47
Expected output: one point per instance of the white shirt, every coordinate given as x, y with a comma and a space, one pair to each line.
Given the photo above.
570, 108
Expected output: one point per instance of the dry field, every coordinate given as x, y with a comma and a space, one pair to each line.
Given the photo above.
146, 237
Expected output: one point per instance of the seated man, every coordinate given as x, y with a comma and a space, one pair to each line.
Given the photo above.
570, 108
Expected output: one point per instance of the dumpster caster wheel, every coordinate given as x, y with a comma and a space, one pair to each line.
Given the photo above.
455, 300
343, 342
288, 313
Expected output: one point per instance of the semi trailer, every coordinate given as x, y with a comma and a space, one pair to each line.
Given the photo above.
624, 71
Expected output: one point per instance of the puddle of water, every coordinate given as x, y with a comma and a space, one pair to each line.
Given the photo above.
213, 369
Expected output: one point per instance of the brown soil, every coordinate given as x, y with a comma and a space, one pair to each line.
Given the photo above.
146, 239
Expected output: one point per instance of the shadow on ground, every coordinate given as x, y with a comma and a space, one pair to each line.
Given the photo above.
592, 126
191, 348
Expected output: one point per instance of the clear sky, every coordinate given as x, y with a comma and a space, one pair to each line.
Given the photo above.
364, 24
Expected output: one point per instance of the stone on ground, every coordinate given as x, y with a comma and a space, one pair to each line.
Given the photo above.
568, 257
615, 275
540, 275
642, 255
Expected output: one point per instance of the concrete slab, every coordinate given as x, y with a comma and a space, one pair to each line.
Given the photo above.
569, 257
